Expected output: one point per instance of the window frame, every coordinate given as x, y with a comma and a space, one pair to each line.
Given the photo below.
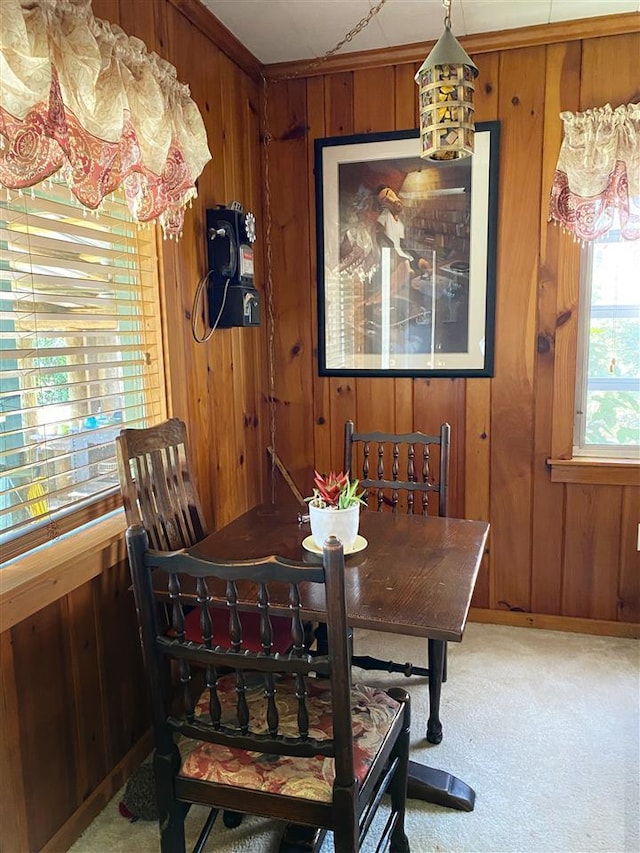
563, 465
50, 529
600, 451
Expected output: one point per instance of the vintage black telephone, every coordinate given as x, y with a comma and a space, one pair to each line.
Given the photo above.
232, 297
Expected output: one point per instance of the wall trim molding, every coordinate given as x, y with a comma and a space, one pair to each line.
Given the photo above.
542, 34
38, 578
571, 624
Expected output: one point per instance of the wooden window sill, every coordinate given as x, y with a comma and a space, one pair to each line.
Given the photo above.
42, 576
595, 471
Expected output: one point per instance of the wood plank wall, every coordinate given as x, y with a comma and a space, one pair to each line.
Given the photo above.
73, 708
565, 550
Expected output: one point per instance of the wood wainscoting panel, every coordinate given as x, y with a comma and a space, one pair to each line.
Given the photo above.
46, 720
629, 577
592, 551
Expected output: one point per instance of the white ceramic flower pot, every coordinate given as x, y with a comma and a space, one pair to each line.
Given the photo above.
329, 521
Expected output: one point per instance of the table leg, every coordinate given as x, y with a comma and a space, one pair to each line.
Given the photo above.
436, 652
439, 787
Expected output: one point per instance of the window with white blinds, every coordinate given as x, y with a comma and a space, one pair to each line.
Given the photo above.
81, 355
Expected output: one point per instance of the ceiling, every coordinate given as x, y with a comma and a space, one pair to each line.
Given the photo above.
284, 30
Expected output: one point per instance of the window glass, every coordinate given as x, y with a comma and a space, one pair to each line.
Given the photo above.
81, 355
608, 393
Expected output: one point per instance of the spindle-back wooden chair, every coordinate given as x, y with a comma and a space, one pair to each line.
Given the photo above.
402, 472
269, 737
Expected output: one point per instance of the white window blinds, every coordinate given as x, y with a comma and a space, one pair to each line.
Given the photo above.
81, 357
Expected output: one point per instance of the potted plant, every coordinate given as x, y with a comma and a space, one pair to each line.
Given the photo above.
334, 509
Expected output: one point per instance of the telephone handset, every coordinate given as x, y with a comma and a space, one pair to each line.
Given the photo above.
225, 252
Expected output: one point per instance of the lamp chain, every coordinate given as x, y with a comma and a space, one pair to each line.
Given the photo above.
267, 139
447, 13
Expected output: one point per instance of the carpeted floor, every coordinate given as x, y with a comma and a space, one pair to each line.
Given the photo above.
543, 725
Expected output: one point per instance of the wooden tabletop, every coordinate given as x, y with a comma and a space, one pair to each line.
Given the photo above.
416, 576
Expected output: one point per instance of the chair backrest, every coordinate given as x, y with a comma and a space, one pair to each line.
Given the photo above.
157, 490
394, 468
207, 716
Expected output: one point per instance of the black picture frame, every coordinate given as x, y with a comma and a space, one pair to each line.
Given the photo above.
381, 310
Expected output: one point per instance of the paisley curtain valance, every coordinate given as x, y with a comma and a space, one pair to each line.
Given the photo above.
80, 97
596, 184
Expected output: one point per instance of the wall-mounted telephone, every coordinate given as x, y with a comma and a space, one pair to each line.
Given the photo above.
233, 299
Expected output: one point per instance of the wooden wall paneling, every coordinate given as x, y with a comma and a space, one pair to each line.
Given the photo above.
592, 551
138, 19
434, 402
609, 73
213, 409
477, 421
561, 93
13, 813
290, 209
521, 99
374, 110
107, 10
255, 422
238, 139
629, 580
125, 700
479, 43
83, 654
339, 94
185, 261
44, 688
322, 459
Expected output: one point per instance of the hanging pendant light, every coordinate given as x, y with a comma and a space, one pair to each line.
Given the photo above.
445, 81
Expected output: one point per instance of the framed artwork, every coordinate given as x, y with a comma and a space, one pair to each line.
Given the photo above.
406, 256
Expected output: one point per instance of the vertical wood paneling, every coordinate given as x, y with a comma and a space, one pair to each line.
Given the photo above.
13, 813
293, 361
629, 583
476, 465
437, 401
220, 388
561, 93
81, 649
609, 72
521, 102
592, 551
124, 698
45, 690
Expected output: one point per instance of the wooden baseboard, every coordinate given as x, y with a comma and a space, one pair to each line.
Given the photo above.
98, 799
573, 624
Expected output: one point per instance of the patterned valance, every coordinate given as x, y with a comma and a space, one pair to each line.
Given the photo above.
597, 180
80, 97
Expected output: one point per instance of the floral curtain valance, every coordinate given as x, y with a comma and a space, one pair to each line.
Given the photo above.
598, 173
78, 95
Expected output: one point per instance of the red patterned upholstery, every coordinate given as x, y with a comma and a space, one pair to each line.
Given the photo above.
280, 625
373, 712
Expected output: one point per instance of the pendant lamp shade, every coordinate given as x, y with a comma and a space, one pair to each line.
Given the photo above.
446, 83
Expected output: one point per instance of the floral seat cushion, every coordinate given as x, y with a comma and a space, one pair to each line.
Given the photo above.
373, 712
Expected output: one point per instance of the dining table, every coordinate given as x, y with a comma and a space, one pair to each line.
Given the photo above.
414, 575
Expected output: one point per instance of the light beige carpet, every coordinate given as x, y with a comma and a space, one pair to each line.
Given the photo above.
543, 725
